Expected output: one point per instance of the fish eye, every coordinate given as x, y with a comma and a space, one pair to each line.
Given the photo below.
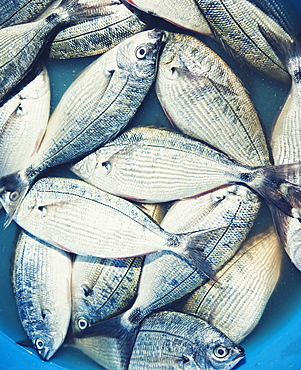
82, 323
107, 165
173, 72
39, 343
185, 359
42, 210
14, 196
141, 51
220, 351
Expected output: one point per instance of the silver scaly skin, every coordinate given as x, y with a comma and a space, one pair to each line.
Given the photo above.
42, 287
235, 304
235, 24
96, 36
23, 120
203, 98
102, 288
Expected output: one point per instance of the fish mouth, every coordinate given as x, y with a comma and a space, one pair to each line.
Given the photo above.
238, 353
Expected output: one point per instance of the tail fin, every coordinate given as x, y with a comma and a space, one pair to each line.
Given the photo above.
194, 249
286, 50
77, 10
113, 328
13, 189
270, 182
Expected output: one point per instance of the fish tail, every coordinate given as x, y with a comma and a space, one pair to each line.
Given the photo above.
80, 10
287, 50
193, 249
13, 189
114, 328
272, 184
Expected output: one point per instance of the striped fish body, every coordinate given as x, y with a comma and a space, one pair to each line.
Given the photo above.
236, 303
42, 286
235, 25
96, 36
203, 98
23, 120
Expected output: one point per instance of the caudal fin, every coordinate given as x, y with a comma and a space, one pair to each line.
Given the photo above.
270, 182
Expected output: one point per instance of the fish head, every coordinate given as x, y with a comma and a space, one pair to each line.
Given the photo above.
217, 351
138, 54
46, 340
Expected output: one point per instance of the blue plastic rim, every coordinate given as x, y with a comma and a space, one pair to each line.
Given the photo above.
274, 344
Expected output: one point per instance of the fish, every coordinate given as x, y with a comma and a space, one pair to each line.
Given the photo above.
111, 89
235, 304
42, 287
203, 98
184, 14
102, 288
23, 121
21, 11
21, 45
165, 340
165, 277
107, 226
235, 25
154, 165
285, 141
97, 35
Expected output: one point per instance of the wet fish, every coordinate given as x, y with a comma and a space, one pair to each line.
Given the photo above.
165, 277
23, 120
156, 165
111, 89
21, 45
236, 303
165, 340
203, 98
42, 286
97, 35
102, 288
184, 14
107, 226
286, 136
21, 11
235, 24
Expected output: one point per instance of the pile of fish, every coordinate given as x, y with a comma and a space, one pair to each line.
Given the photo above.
142, 252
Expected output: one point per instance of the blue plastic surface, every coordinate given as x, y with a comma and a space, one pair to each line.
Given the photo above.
274, 344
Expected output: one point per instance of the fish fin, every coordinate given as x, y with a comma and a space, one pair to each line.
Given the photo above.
281, 224
13, 189
285, 49
270, 182
113, 328
194, 248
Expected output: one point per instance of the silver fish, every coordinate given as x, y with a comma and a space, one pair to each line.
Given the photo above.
167, 341
111, 89
102, 288
236, 303
106, 227
97, 35
165, 277
22, 44
157, 165
23, 120
42, 286
184, 14
286, 138
21, 11
235, 24
203, 98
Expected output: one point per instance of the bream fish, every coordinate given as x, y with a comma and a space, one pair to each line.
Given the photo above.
167, 341
42, 286
23, 120
110, 89
96, 35
157, 165
235, 304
